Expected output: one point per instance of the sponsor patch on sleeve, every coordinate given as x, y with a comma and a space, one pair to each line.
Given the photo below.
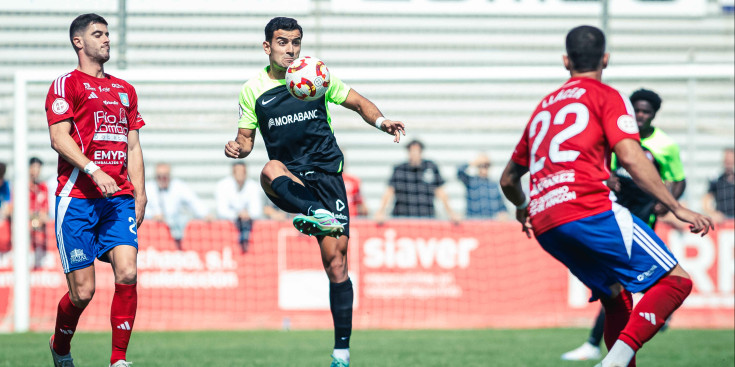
60, 106
627, 124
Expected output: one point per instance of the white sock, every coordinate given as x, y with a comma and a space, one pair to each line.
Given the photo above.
619, 355
343, 354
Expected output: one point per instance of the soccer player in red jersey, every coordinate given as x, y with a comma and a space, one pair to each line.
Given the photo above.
100, 200
566, 148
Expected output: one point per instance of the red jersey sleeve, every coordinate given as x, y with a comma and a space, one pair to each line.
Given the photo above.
136, 120
60, 100
520, 153
618, 121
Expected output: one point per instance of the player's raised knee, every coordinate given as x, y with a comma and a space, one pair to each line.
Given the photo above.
273, 169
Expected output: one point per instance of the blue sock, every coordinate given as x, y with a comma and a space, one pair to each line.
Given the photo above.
340, 303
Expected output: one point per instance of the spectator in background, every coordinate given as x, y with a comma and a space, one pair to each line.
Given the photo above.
484, 198
38, 210
719, 201
171, 201
5, 203
239, 199
414, 185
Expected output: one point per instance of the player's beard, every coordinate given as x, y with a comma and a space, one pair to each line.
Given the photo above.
100, 56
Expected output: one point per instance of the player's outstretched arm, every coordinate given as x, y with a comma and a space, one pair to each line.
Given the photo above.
62, 143
242, 145
510, 182
372, 115
644, 174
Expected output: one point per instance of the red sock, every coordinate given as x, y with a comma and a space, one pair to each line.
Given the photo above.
67, 317
122, 317
617, 314
651, 312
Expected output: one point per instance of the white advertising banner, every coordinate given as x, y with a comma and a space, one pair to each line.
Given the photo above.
162, 6
648, 8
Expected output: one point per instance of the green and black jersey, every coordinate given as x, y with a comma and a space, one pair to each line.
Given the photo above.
664, 153
297, 133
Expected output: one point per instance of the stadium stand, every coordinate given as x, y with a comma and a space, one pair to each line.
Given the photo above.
188, 123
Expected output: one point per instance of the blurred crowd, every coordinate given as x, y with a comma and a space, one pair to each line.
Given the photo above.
412, 190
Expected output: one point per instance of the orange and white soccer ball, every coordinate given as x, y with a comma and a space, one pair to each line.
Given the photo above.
307, 78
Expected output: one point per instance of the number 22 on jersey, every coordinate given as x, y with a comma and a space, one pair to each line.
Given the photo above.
555, 154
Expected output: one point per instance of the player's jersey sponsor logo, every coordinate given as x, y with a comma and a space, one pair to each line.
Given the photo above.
110, 156
118, 86
88, 87
293, 118
60, 106
552, 198
103, 89
124, 99
109, 127
77, 255
627, 124
109, 102
565, 176
268, 101
563, 94
92, 96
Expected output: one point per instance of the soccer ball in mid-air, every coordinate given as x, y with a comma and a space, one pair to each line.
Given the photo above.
307, 78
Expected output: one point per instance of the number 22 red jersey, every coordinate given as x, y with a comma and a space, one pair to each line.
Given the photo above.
102, 112
566, 147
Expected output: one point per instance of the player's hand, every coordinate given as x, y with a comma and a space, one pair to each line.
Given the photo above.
522, 217
140, 203
395, 128
697, 222
232, 149
107, 184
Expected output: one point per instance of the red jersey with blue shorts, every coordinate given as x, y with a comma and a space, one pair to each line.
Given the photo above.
566, 147
102, 112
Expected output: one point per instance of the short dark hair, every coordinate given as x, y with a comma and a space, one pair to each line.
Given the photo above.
35, 160
585, 48
285, 23
647, 95
81, 23
415, 142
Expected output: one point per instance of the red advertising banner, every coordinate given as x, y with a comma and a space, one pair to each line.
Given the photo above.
407, 274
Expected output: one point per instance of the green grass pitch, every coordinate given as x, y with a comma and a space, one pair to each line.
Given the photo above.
379, 348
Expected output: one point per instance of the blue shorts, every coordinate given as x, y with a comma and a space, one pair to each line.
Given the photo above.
608, 248
87, 228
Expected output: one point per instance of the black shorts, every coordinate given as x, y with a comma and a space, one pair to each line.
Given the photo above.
328, 189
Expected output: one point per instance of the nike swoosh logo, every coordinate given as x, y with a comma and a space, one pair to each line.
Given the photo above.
268, 101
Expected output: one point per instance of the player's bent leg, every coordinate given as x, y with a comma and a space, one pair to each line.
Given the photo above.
617, 314
81, 290
124, 302
341, 296
649, 315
